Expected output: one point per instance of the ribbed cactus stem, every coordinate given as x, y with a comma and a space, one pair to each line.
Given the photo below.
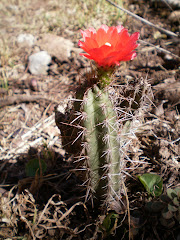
102, 144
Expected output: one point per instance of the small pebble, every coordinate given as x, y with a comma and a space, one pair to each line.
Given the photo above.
33, 84
38, 63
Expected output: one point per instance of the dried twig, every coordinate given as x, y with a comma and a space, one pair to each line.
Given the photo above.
167, 32
159, 49
22, 98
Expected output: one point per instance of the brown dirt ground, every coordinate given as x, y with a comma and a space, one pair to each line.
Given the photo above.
51, 206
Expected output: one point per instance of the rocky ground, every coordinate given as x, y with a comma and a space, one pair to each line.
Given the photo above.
40, 67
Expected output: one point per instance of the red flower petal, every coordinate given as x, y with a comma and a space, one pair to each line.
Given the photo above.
109, 45
88, 44
88, 33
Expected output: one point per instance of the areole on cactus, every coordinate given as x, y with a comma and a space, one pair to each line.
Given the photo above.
92, 123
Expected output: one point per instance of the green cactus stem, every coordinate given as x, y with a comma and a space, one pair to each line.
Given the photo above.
105, 77
101, 136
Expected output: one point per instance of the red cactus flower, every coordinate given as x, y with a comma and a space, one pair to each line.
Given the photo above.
109, 45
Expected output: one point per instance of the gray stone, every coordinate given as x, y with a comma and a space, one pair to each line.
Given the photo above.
38, 63
26, 40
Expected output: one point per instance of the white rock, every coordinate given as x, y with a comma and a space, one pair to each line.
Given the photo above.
26, 40
168, 57
38, 62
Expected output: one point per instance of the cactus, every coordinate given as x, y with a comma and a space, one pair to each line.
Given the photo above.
94, 129
98, 143
103, 147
